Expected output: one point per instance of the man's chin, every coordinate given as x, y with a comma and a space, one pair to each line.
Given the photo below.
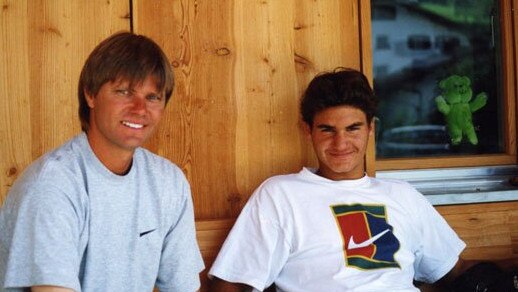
133, 143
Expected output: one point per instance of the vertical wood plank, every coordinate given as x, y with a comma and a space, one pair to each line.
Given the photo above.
15, 122
198, 129
240, 69
366, 67
44, 45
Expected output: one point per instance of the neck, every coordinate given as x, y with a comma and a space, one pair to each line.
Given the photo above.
118, 161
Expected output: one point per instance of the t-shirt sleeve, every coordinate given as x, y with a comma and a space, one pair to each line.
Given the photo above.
439, 246
256, 248
181, 261
45, 239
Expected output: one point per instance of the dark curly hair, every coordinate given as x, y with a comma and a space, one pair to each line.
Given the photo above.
343, 86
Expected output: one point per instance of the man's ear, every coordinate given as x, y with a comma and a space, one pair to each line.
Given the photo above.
371, 126
307, 130
89, 98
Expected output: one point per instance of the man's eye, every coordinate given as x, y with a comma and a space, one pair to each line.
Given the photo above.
154, 98
326, 130
122, 92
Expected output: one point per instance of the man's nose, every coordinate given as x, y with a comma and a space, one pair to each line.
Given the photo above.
138, 104
340, 140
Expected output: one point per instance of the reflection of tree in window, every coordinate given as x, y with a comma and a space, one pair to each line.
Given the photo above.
419, 42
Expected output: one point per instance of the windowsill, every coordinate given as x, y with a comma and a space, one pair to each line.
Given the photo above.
448, 186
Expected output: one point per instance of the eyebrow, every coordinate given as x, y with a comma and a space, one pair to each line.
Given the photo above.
329, 127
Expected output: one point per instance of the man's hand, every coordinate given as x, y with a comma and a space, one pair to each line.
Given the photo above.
219, 285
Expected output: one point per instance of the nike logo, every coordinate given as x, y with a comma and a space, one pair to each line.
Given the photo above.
354, 245
146, 232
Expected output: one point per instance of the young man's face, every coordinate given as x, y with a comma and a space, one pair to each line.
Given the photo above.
339, 136
123, 118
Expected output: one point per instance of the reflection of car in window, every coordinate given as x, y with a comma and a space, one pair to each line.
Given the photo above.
414, 140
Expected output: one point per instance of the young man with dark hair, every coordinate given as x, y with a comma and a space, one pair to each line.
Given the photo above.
334, 228
100, 213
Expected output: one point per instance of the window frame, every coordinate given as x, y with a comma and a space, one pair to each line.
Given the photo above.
510, 79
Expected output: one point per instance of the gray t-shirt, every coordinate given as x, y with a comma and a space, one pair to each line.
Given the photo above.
69, 221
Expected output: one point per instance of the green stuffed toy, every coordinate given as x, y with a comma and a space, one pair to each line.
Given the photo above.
454, 103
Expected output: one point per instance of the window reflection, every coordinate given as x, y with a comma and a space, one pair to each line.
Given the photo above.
416, 45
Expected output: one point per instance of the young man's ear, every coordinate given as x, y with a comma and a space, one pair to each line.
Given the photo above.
89, 98
307, 129
371, 126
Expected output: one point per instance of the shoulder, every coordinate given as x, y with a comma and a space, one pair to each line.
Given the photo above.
281, 180
55, 180
277, 190
52, 182
280, 183
158, 165
58, 169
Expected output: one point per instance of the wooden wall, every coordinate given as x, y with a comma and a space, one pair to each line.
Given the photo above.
240, 66
43, 45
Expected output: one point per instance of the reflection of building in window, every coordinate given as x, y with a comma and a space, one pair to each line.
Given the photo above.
447, 44
384, 12
419, 42
412, 33
382, 42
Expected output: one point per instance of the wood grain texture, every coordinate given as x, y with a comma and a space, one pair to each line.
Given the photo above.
241, 67
439, 162
489, 230
211, 234
43, 47
366, 67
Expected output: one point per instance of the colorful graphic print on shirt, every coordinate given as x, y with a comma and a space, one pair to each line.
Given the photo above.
368, 239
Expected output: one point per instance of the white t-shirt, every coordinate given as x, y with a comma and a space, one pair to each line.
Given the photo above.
304, 232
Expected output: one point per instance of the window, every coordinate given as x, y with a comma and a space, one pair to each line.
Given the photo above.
419, 42
382, 42
447, 44
381, 70
384, 12
448, 100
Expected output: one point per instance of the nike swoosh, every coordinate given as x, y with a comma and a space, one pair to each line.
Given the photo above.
146, 232
354, 245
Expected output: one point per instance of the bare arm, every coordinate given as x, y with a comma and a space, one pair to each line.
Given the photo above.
50, 289
219, 285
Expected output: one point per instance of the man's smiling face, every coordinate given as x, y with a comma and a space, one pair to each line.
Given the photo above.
340, 135
123, 117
